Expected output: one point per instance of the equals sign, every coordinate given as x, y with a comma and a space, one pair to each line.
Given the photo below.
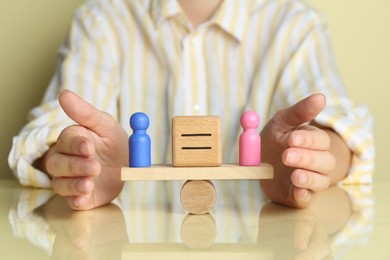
196, 147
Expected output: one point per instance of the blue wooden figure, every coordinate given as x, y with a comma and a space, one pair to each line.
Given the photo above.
139, 141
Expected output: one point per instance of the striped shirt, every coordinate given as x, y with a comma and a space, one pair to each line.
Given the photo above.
124, 56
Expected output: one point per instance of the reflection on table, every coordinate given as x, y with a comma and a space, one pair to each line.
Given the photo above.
147, 222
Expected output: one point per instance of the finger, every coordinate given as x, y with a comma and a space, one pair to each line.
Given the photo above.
73, 141
310, 138
64, 248
303, 111
85, 114
72, 186
83, 202
302, 234
318, 246
310, 180
318, 161
79, 231
302, 198
62, 165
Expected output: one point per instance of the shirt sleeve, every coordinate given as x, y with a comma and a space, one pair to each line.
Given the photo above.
87, 66
26, 223
360, 225
310, 67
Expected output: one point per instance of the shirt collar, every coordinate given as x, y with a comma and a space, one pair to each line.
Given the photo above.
232, 16
163, 9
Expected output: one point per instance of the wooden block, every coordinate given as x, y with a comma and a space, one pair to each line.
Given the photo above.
196, 141
198, 231
198, 197
224, 172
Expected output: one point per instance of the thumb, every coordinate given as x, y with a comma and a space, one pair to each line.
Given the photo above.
85, 114
303, 111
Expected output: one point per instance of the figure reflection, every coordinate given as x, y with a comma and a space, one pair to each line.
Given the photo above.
93, 234
305, 233
198, 231
242, 225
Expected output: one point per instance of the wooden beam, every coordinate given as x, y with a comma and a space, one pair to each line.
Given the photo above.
223, 172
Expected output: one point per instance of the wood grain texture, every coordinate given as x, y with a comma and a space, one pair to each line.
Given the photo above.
196, 141
224, 172
198, 197
198, 231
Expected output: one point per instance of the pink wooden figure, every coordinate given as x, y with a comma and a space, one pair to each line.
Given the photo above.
250, 141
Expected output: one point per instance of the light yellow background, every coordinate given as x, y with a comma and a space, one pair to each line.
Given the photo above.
31, 32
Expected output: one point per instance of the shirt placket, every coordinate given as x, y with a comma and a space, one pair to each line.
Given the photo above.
192, 76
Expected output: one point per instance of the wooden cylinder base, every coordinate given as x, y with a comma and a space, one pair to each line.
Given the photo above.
198, 197
198, 231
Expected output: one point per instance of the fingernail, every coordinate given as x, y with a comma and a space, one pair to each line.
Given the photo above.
76, 202
80, 186
292, 157
304, 193
83, 148
298, 140
88, 168
301, 244
302, 178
